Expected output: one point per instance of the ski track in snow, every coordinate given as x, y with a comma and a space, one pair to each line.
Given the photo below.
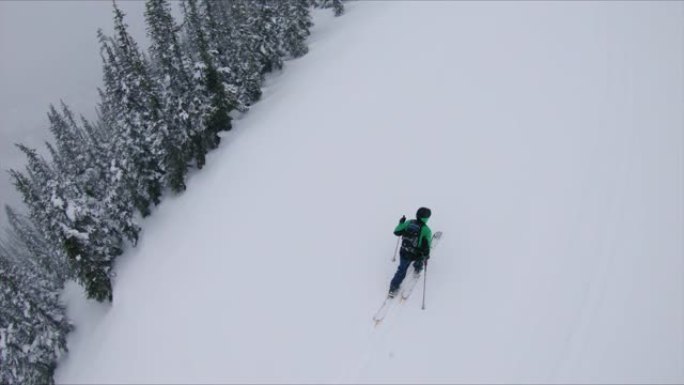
548, 136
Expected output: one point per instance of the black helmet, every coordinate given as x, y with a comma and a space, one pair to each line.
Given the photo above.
423, 212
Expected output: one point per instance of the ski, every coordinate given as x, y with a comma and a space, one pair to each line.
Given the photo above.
408, 286
384, 308
436, 237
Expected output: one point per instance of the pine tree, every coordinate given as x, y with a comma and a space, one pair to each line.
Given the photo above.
220, 31
295, 20
54, 205
241, 43
213, 101
171, 73
262, 22
133, 105
23, 238
33, 326
92, 210
336, 5
113, 188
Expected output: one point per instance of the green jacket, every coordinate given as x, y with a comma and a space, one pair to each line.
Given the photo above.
425, 240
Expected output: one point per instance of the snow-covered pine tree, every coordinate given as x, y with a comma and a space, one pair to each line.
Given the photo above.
102, 182
125, 143
336, 5
33, 326
34, 189
294, 18
56, 207
40, 254
69, 139
251, 38
212, 100
170, 68
85, 190
104, 140
220, 33
134, 114
263, 23
243, 46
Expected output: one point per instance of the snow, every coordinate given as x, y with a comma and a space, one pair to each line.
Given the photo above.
57, 201
547, 139
70, 212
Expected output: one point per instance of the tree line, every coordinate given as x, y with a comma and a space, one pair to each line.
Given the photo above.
159, 113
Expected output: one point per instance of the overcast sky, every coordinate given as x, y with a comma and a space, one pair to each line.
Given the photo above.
49, 51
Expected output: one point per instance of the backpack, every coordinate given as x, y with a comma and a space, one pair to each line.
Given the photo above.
411, 237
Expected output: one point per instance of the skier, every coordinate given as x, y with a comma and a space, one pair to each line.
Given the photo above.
415, 246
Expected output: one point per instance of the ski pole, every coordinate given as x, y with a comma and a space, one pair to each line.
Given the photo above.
394, 256
425, 283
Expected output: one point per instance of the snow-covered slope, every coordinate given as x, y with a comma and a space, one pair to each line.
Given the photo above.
547, 139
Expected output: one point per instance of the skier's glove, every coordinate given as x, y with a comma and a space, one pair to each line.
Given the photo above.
403, 219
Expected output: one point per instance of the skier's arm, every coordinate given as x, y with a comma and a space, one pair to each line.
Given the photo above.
399, 230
